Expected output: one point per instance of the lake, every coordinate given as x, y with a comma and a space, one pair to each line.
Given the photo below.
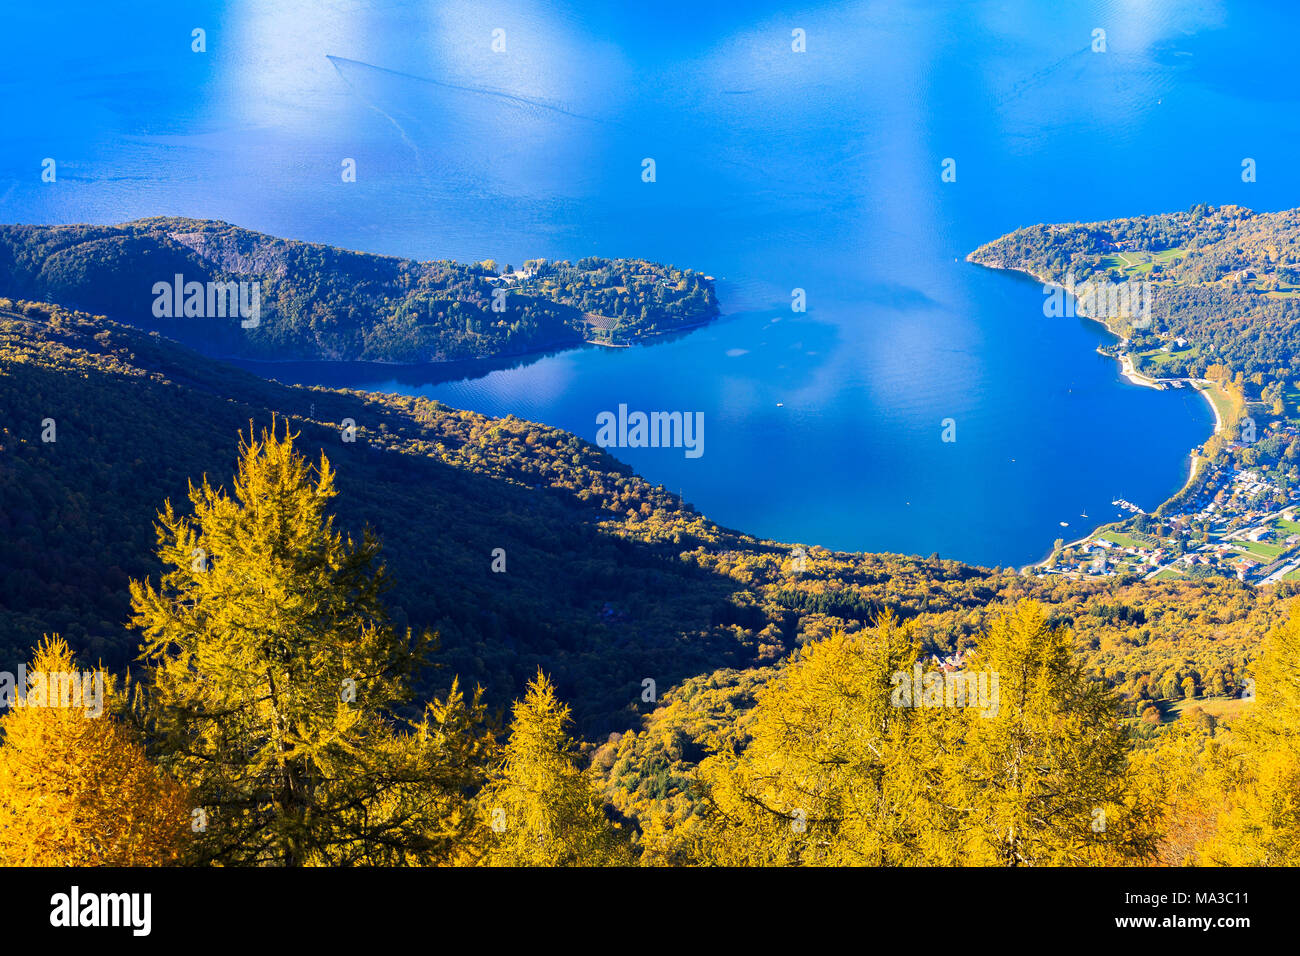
775, 171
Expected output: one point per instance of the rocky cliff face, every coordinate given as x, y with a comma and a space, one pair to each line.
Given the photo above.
237, 255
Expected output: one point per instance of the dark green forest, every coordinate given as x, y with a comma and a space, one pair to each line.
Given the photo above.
320, 302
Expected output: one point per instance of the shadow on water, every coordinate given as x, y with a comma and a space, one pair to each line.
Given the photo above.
334, 374
359, 374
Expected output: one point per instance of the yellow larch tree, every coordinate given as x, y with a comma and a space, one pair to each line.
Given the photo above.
76, 788
275, 680
1044, 776
539, 806
839, 771
1261, 826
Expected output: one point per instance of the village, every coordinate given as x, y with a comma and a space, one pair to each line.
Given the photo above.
1237, 524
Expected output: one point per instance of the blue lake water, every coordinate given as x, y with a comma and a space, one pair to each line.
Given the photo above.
775, 170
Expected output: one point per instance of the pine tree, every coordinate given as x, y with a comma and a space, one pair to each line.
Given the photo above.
541, 808
76, 788
274, 671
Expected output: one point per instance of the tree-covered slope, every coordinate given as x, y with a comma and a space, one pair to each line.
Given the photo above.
609, 580
1225, 278
320, 302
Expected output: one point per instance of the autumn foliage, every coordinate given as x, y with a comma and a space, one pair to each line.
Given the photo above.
273, 724
76, 788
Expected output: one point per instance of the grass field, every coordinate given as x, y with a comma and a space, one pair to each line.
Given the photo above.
1132, 539
1159, 359
1291, 402
1270, 550
1220, 707
1138, 264
1261, 549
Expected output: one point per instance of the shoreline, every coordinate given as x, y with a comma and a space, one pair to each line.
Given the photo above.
1132, 376
1201, 385
459, 364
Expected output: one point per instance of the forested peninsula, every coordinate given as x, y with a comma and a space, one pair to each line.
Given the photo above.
1217, 294
1225, 279
318, 302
